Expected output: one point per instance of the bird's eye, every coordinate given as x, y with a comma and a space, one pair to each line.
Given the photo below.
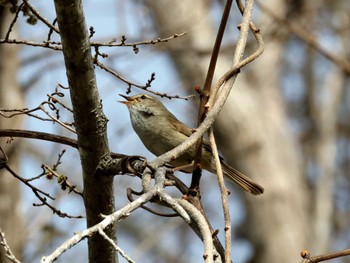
143, 97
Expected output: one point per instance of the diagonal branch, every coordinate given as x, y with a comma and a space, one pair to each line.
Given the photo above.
226, 82
308, 38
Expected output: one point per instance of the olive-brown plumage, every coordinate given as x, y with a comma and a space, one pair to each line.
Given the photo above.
160, 131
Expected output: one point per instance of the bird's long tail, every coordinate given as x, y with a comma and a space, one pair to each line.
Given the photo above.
242, 180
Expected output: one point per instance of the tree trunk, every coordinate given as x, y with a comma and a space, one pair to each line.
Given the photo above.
90, 123
10, 97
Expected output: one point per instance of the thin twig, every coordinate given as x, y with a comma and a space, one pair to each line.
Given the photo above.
235, 69
204, 228
42, 19
57, 46
142, 87
55, 100
13, 21
50, 45
315, 259
205, 92
8, 252
123, 43
308, 38
224, 197
37, 193
56, 120
217, 106
63, 182
117, 248
26, 182
29, 112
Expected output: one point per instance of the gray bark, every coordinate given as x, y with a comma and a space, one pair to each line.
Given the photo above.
90, 123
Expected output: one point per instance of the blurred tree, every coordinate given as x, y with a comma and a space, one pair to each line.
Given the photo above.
285, 124
11, 221
260, 128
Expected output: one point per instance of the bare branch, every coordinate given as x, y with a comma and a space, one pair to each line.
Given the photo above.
308, 38
57, 46
13, 21
38, 192
40, 136
142, 87
204, 228
62, 180
224, 197
108, 220
308, 259
46, 44
123, 43
42, 19
8, 251
156, 190
50, 103
205, 92
117, 248
219, 103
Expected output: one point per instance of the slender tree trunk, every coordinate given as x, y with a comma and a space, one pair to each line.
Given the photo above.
10, 97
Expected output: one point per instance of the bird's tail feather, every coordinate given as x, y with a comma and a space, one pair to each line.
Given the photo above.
242, 180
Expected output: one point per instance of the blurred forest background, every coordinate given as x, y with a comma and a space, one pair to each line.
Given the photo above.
286, 124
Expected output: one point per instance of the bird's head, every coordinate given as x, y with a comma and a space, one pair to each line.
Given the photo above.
145, 104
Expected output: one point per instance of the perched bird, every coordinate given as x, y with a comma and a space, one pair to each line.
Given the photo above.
160, 131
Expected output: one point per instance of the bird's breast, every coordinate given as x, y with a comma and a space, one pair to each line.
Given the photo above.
155, 134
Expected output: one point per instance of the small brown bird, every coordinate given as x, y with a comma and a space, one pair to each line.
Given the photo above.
160, 131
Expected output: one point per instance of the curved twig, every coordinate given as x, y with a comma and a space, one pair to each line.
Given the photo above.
130, 192
42, 19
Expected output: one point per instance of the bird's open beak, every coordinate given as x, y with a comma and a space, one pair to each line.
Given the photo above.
128, 99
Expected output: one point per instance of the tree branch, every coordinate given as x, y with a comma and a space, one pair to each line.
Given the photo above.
8, 251
308, 38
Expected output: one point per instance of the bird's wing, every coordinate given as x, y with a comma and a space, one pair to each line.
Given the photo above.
179, 126
207, 146
188, 132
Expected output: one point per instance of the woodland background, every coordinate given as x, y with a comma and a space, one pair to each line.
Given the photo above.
285, 124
